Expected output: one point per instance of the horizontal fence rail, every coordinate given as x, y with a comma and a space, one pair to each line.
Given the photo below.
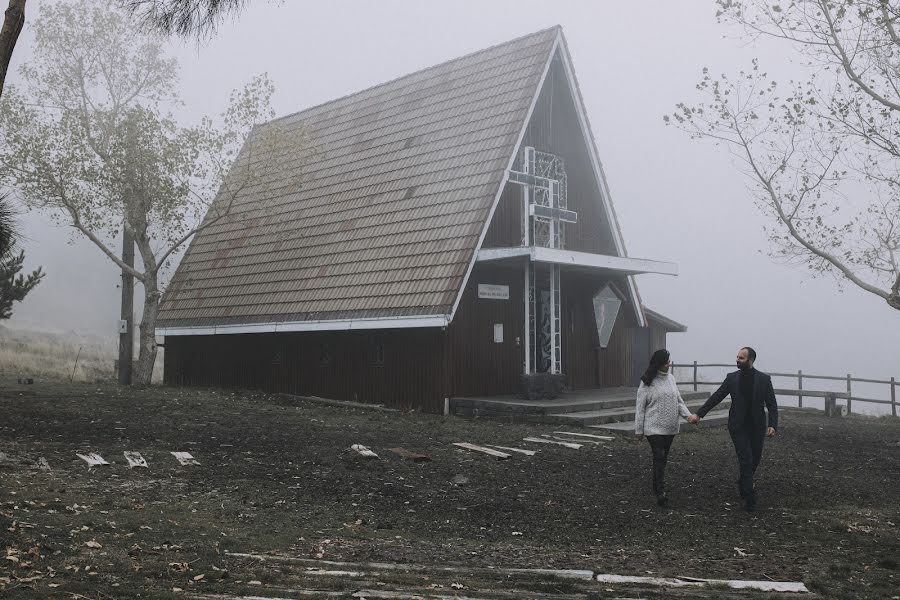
800, 392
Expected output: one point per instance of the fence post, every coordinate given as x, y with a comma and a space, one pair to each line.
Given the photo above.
695, 375
893, 397
800, 387
849, 379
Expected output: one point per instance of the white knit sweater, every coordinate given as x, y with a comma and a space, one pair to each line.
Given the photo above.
658, 407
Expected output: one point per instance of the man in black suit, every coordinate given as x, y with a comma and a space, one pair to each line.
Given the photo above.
750, 391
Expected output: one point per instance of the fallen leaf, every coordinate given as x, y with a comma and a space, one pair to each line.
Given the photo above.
199, 577
93, 544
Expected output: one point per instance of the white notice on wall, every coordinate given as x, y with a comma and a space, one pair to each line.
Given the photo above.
498, 333
493, 292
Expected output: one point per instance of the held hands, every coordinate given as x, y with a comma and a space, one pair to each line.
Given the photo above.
693, 419
770, 432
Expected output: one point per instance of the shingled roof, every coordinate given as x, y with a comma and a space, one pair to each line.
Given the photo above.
385, 220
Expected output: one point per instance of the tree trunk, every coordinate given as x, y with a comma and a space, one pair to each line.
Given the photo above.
12, 27
147, 354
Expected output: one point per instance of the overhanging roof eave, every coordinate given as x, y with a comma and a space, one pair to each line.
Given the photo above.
584, 260
296, 326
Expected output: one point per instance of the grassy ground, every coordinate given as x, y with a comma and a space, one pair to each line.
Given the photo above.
69, 356
277, 478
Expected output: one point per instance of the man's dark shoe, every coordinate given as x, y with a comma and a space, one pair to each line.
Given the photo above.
662, 499
750, 504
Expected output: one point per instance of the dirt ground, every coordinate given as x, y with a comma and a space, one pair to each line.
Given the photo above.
277, 477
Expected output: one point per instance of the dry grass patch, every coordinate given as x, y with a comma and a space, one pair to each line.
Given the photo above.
60, 356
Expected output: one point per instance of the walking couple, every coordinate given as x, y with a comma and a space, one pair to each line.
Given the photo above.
659, 404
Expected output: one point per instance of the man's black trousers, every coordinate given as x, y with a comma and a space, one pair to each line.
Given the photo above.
659, 445
748, 444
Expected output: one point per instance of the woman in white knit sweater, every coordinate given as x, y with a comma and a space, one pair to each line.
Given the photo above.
659, 405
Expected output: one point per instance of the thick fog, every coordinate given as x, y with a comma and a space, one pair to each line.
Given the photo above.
677, 200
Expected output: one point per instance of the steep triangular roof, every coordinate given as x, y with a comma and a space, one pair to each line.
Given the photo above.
389, 211
382, 226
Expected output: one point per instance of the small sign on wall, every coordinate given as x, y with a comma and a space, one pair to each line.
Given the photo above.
493, 292
498, 333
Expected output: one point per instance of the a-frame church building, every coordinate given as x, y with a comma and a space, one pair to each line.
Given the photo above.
453, 235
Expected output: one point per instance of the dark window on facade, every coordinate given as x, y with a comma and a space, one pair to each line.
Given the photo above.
378, 350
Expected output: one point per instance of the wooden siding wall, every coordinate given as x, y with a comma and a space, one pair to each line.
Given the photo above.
657, 338
641, 350
412, 374
585, 363
554, 128
615, 360
505, 230
580, 350
479, 365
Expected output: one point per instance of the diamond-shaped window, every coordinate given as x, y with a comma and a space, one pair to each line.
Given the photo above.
606, 308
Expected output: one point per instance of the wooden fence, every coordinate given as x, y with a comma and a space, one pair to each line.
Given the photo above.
829, 395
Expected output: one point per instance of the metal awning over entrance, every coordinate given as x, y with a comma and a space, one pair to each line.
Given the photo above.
605, 264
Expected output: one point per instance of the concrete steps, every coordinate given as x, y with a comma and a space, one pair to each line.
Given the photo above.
582, 408
617, 414
517, 409
713, 419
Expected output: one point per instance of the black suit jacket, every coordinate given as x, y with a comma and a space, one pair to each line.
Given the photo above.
763, 395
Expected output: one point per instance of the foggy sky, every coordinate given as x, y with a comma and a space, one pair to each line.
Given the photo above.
677, 200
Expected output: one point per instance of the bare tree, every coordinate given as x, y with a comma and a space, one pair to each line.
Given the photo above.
184, 18
88, 141
823, 154
13, 21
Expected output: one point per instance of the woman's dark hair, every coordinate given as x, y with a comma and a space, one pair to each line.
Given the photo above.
659, 359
